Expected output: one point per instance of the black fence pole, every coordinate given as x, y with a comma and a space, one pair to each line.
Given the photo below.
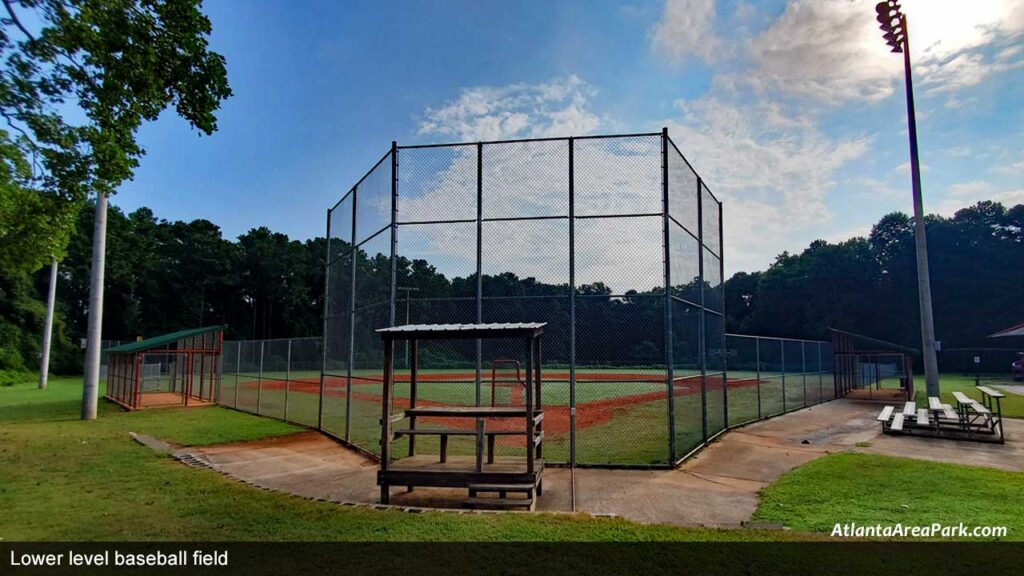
669, 360
701, 337
757, 356
572, 305
721, 300
782, 351
327, 312
479, 261
351, 318
393, 292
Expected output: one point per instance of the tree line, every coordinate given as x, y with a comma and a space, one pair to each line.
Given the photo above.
162, 276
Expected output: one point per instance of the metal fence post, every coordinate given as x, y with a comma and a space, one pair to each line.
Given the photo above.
479, 261
821, 387
259, 384
288, 377
782, 350
327, 312
572, 303
667, 317
721, 288
351, 316
393, 292
803, 368
238, 368
757, 356
701, 337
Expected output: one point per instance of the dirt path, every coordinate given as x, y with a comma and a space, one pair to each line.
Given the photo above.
718, 487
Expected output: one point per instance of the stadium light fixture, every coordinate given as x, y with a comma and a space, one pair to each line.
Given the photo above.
893, 23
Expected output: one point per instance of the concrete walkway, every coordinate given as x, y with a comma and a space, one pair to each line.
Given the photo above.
718, 487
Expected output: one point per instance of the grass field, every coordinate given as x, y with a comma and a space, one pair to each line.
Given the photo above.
618, 421
64, 479
871, 489
1012, 405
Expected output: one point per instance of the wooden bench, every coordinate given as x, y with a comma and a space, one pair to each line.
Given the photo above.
948, 412
990, 392
444, 433
897, 422
922, 417
993, 401
885, 414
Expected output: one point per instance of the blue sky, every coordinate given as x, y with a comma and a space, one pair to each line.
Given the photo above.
793, 112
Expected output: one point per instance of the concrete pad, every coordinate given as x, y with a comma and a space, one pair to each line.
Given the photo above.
1009, 456
1017, 389
664, 497
733, 458
718, 487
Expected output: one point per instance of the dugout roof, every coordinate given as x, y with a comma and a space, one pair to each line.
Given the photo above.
164, 340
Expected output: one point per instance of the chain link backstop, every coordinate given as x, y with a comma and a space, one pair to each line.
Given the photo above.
614, 241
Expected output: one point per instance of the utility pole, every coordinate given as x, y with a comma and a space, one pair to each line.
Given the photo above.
90, 390
894, 23
51, 298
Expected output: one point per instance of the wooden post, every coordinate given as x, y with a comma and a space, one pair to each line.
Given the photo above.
537, 394
414, 360
136, 396
385, 419
529, 405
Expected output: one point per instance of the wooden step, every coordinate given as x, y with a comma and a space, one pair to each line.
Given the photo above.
500, 503
502, 487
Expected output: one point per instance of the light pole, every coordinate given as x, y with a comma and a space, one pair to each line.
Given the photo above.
90, 391
894, 23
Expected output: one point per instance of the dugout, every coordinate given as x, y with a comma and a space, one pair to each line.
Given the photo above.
177, 369
867, 368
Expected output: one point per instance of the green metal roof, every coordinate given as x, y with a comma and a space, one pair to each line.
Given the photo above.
163, 340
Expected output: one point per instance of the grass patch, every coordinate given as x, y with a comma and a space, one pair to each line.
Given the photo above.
1012, 404
65, 479
871, 489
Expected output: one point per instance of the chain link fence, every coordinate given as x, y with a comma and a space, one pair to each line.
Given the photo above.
276, 378
614, 241
984, 365
771, 376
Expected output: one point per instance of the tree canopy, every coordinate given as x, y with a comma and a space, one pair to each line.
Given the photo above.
77, 80
163, 276
869, 285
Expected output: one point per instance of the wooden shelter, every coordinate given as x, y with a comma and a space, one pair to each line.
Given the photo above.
177, 369
484, 472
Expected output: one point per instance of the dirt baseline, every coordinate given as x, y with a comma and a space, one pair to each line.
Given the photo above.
557, 417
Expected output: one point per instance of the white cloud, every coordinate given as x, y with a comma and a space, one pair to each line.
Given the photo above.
964, 194
531, 179
557, 107
687, 28
773, 174
831, 50
823, 49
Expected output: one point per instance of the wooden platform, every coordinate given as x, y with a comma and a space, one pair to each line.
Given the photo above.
166, 399
883, 395
459, 471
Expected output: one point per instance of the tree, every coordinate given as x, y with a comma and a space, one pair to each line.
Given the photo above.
116, 64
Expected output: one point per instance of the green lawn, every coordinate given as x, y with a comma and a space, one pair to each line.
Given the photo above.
64, 479
1012, 405
870, 489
